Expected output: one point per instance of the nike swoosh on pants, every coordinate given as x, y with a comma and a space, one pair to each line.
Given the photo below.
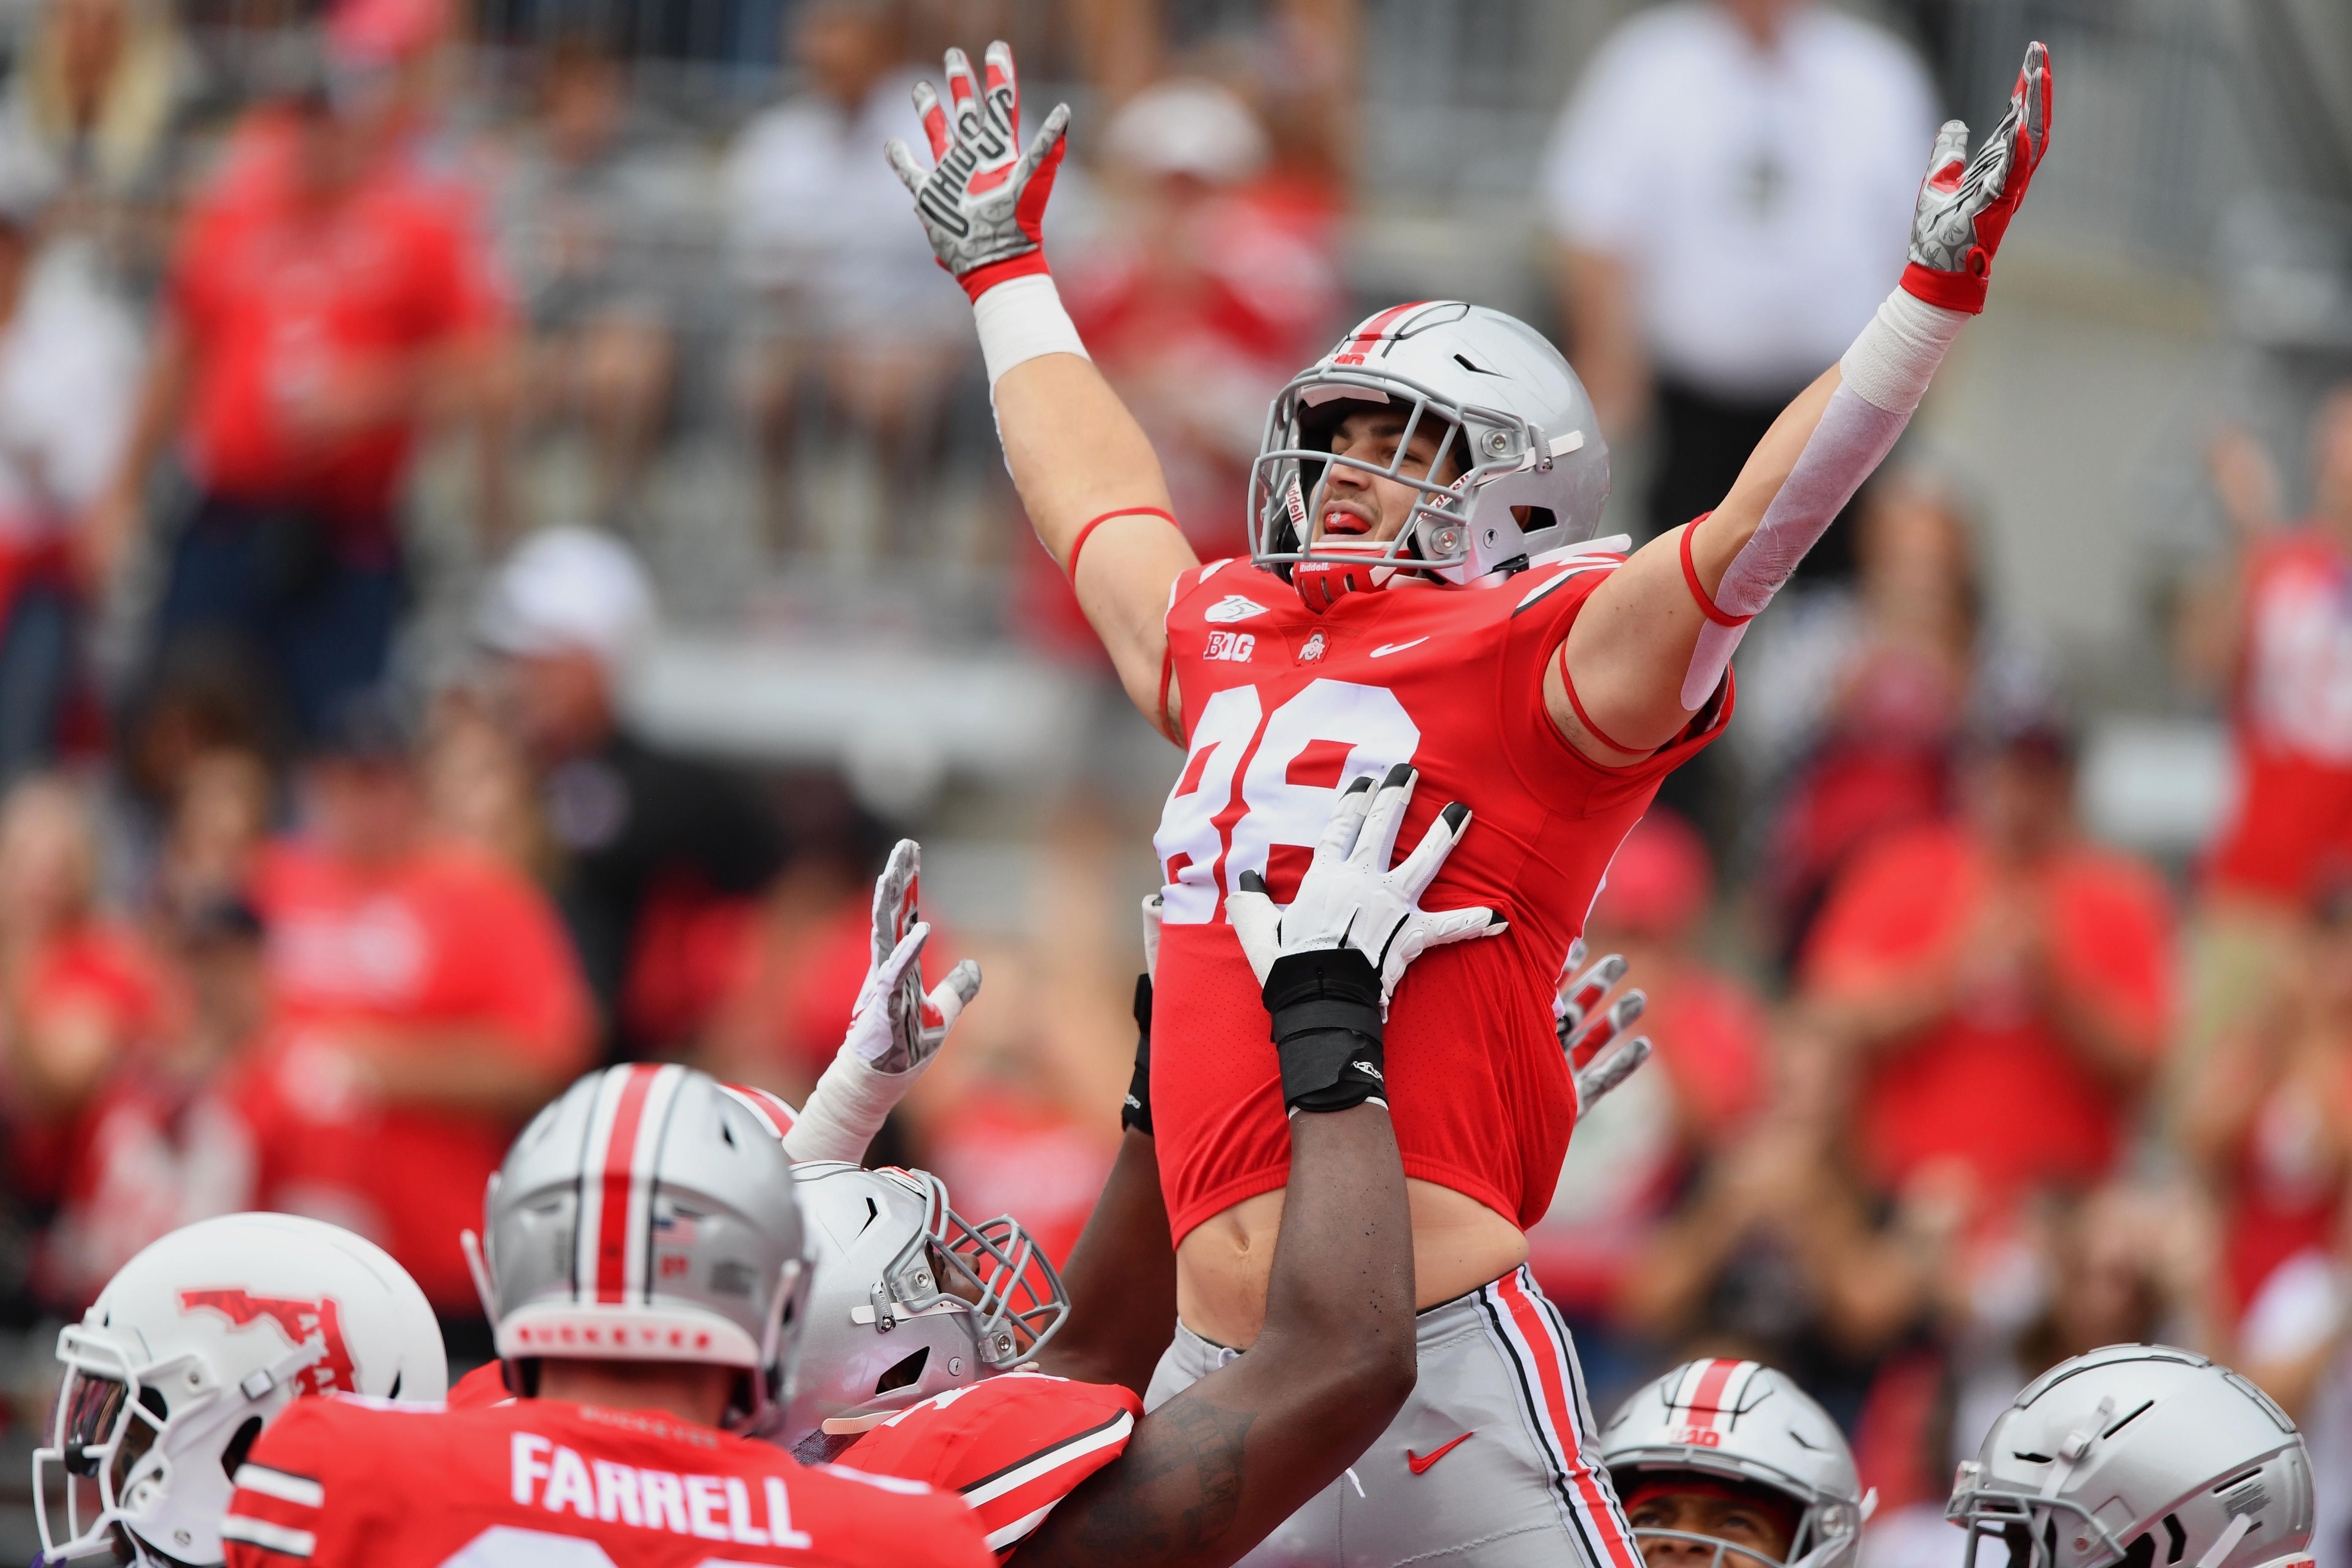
1419, 1463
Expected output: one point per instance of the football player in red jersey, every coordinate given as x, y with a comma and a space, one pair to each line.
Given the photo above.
646, 1267
1422, 589
1019, 1404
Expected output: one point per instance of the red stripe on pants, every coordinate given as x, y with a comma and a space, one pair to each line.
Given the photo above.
1563, 1419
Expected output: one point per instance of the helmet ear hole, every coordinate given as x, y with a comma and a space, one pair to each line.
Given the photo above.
248, 1432
908, 1373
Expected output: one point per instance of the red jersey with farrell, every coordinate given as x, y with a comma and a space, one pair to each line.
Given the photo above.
1280, 705
1011, 1446
363, 1483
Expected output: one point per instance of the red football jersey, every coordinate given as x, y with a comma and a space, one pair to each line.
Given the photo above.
358, 1483
1280, 705
1013, 1446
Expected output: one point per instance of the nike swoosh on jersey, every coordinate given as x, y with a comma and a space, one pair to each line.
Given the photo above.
1388, 648
1419, 1463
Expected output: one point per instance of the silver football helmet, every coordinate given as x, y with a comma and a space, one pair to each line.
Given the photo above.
191, 1351
2139, 1454
910, 1299
648, 1215
1517, 423
1743, 1422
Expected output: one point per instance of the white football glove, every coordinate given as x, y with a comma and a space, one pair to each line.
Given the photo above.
983, 204
894, 1031
1350, 898
1585, 1035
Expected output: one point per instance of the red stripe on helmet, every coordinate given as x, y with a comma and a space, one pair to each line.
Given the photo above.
620, 1171
1376, 329
1707, 1399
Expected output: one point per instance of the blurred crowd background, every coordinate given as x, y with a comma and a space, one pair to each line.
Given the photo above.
500, 528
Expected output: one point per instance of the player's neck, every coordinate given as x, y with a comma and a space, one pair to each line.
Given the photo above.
689, 1390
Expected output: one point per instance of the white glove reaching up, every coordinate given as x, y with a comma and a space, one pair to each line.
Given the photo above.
894, 1031
1350, 899
1586, 1035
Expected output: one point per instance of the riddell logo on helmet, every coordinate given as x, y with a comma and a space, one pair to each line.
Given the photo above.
298, 1321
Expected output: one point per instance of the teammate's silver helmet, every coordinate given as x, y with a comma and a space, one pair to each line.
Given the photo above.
910, 1299
1517, 421
648, 1215
2139, 1454
1741, 1421
192, 1348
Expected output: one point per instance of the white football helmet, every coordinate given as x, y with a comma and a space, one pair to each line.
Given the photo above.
1516, 420
194, 1347
910, 1299
2142, 1455
1743, 1422
647, 1216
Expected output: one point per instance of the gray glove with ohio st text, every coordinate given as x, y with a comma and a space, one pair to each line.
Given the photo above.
1329, 961
982, 204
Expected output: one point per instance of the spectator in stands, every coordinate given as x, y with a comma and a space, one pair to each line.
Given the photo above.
79, 994
165, 1141
69, 361
2269, 1118
769, 989
1731, 186
1216, 285
219, 818
428, 1004
478, 785
2005, 986
601, 225
327, 289
1858, 702
818, 232
645, 841
1634, 1158
99, 94
2273, 628
1784, 1252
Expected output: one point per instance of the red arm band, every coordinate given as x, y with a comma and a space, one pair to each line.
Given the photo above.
1690, 576
1595, 730
1071, 569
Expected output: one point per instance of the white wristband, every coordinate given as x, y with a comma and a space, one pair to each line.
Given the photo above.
1020, 319
1891, 363
846, 1109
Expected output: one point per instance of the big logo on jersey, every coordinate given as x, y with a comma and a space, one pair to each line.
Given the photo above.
298, 1321
1255, 791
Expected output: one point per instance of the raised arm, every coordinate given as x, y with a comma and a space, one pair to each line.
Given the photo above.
1121, 1276
1207, 1475
1086, 475
1651, 648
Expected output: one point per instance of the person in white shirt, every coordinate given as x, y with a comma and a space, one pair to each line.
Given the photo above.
1729, 187
69, 372
817, 229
